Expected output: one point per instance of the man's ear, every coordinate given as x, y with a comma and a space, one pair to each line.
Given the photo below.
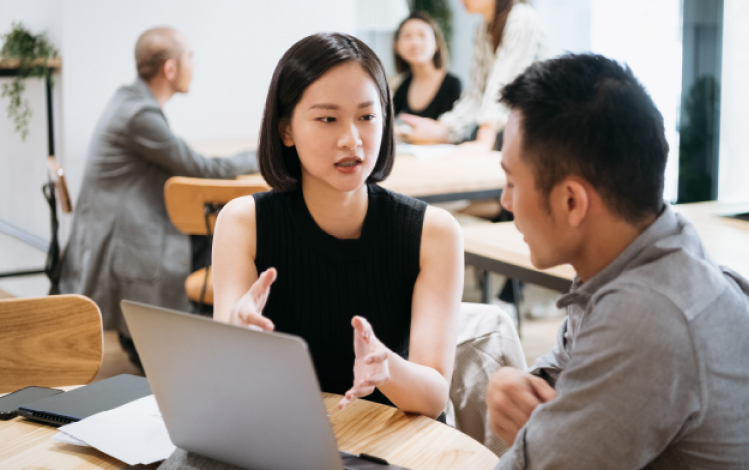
170, 69
285, 131
576, 201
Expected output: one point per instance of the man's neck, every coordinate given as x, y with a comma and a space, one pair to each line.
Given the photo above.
161, 89
608, 238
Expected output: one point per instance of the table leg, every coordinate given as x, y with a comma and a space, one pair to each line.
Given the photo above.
485, 287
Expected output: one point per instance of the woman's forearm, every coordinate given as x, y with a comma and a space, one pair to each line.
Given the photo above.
415, 388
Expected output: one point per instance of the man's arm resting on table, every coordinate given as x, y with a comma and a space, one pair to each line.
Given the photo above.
149, 134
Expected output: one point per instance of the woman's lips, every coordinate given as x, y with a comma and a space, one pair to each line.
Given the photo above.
348, 166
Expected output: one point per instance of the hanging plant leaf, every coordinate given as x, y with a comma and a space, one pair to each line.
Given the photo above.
33, 52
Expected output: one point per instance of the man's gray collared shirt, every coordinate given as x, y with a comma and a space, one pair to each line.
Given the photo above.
651, 367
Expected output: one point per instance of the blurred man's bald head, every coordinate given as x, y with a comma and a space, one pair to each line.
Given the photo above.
156, 46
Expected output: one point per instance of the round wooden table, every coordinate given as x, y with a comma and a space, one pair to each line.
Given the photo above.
402, 439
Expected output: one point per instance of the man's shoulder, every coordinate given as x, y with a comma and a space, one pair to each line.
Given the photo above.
667, 287
127, 103
131, 100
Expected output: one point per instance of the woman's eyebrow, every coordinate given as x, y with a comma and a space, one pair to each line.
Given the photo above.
324, 106
366, 104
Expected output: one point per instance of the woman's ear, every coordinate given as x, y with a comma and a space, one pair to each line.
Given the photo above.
285, 131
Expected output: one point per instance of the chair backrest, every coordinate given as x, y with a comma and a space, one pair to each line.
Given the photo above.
49, 341
186, 199
57, 177
487, 340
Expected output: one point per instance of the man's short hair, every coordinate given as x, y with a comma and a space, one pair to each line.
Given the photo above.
154, 47
586, 115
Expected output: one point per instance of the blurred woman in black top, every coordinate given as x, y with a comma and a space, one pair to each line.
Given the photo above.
427, 89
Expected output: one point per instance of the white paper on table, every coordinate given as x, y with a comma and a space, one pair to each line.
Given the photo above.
426, 152
134, 433
68, 439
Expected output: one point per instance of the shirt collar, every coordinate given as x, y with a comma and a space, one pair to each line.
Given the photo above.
142, 87
580, 292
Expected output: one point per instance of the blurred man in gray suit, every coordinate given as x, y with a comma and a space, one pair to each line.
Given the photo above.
122, 244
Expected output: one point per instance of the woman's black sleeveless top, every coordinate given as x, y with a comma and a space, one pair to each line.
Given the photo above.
324, 281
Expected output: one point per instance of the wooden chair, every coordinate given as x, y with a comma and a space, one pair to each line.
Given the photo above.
193, 205
49, 341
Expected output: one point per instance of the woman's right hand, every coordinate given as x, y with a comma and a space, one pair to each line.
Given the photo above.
249, 310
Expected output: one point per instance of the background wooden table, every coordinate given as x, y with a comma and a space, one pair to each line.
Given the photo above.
500, 247
726, 239
462, 175
407, 440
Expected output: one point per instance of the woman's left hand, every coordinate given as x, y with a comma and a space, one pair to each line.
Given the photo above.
371, 363
425, 130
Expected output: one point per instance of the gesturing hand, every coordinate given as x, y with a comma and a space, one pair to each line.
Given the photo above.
370, 365
248, 311
511, 397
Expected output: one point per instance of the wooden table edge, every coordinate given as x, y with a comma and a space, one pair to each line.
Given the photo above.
93, 458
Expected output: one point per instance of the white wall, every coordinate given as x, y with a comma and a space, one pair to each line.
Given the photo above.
733, 182
646, 35
23, 164
237, 44
566, 24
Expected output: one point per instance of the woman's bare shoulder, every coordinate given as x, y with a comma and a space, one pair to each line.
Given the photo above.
440, 229
238, 212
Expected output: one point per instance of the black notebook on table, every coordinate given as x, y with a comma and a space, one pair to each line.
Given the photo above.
83, 402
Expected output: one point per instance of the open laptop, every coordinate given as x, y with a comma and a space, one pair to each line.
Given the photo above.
247, 398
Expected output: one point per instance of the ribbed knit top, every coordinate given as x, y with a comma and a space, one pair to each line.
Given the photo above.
324, 281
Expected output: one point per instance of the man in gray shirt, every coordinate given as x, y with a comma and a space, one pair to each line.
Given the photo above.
122, 244
651, 369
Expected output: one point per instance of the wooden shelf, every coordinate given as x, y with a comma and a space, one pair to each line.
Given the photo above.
55, 63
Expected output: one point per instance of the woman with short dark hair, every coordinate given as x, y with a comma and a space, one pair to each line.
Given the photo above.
340, 250
428, 89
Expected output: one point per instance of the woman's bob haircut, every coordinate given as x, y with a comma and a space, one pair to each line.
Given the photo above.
305, 62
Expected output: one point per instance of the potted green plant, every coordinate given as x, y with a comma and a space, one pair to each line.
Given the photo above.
32, 54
